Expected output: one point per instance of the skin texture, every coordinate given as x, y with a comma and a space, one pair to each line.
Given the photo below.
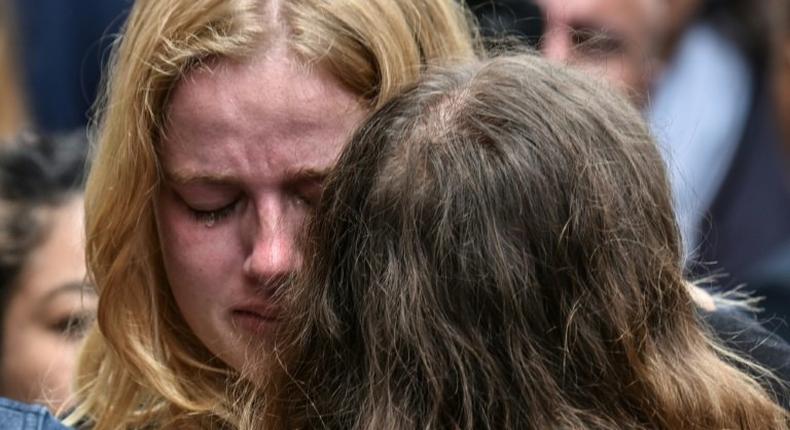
612, 39
45, 318
251, 142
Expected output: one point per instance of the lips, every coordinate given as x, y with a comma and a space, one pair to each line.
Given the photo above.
263, 312
257, 319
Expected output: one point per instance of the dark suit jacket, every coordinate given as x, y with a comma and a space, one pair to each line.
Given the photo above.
63, 45
750, 216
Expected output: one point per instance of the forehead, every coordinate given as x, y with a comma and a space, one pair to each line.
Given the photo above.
60, 257
269, 107
225, 92
617, 14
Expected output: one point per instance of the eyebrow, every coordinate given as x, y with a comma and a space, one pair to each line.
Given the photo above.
187, 178
593, 29
308, 174
69, 288
294, 176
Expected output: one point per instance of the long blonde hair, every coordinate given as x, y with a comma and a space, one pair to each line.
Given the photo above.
141, 365
497, 249
12, 105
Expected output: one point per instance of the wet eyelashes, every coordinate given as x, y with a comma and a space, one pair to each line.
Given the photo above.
212, 217
209, 218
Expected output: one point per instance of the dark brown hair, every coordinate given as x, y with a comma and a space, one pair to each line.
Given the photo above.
497, 249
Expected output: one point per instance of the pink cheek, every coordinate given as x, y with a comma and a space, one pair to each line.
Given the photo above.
197, 256
181, 243
179, 227
195, 252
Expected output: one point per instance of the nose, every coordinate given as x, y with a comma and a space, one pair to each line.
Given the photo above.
273, 253
556, 43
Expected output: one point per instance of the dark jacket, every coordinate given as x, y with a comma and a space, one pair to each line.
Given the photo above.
738, 330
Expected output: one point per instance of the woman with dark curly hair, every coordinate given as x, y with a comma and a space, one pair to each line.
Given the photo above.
44, 304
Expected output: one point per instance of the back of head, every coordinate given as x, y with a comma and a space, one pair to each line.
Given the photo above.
144, 361
497, 249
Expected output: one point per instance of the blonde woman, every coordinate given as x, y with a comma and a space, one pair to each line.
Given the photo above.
220, 120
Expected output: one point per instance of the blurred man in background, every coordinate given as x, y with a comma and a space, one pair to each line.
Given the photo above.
704, 96
698, 69
615, 39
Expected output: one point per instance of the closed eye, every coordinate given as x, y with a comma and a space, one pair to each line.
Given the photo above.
73, 326
214, 215
594, 43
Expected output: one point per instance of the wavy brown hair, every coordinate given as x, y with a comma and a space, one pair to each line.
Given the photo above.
497, 249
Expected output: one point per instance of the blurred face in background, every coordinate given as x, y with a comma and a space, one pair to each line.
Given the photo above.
614, 39
47, 313
246, 151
